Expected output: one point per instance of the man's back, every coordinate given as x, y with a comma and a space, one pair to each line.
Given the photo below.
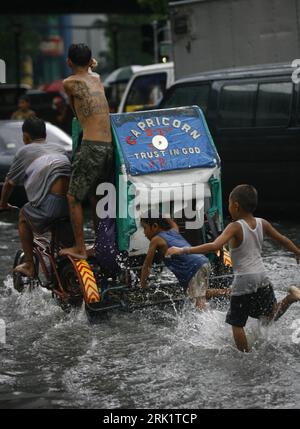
37, 166
88, 100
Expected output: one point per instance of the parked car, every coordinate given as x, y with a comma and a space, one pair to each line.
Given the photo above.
40, 101
253, 116
11, 140
146, 87
9, 95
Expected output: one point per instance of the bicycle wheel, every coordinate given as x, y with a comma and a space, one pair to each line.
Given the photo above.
20, 281
70, 283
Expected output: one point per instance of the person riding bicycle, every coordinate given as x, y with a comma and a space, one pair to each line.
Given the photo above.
44, 169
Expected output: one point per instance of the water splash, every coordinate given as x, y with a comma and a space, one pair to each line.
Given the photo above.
151, 358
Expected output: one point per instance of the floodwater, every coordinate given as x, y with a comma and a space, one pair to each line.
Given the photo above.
147, 359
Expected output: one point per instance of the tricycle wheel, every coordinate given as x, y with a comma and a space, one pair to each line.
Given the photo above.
70, 283
20, 281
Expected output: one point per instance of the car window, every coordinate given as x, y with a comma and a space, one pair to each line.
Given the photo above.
273, 104
114, 92
11, 139
236, 105
8, 97
187, 95
145, 91
41, 99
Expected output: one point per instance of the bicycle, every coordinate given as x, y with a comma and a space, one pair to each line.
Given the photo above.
52, 272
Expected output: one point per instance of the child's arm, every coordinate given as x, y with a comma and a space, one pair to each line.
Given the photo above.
154, 245
172, 224
282, 239
229, 232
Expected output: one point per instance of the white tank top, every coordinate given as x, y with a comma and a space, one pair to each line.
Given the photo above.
247, 263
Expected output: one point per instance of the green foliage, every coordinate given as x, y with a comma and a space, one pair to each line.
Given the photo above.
125, 31
29, 40
159, 7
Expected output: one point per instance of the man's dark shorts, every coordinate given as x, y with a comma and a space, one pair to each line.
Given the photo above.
92, 165
40, 218
256, 305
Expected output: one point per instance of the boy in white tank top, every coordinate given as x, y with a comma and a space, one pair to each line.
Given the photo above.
252, 292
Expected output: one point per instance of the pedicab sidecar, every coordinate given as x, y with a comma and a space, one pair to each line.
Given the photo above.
165, 160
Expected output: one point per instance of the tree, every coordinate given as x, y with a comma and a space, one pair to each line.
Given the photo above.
147, 39
18, 29
126, 40
159, 7
131, 36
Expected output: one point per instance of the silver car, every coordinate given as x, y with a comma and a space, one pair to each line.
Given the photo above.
11, 140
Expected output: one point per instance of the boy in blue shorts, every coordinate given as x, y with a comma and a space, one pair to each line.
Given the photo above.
252, 292
192, 271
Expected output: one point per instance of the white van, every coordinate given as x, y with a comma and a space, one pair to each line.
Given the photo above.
146, 87
115, 84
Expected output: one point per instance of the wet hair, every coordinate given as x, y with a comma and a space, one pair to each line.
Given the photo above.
160, 221
246, 196
35, 127
80, 54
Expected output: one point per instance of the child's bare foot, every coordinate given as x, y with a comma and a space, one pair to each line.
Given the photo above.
294, 293
27, 269
75, 252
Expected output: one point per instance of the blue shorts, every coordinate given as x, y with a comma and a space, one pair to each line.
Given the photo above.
41, 218
256, 305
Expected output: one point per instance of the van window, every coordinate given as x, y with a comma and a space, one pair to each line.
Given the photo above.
236, 107
146, 91
8, 97
273, 104
9, 101
114, 92
187, 96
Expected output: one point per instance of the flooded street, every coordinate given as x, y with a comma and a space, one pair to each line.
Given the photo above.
147, 359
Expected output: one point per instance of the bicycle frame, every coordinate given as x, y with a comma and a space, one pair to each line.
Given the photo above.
42, 248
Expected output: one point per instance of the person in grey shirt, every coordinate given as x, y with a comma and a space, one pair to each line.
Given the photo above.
44, 169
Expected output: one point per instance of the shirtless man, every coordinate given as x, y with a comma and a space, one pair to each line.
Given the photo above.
93, 163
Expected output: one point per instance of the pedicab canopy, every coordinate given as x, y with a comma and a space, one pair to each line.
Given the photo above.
159, 147
164, 140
